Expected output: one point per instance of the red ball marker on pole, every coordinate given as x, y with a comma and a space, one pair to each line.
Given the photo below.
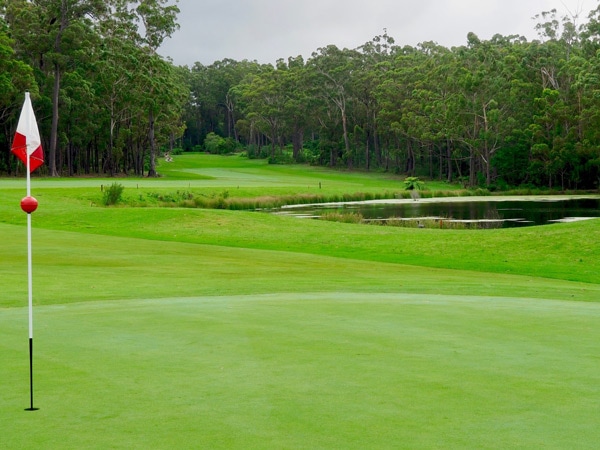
29, 204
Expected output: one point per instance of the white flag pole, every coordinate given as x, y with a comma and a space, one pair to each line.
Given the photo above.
29, 262
27, 142
30, 287
29, 279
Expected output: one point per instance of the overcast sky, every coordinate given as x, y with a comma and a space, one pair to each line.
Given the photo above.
266, 30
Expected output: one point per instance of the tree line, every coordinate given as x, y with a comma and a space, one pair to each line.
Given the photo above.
499, 112
105, 100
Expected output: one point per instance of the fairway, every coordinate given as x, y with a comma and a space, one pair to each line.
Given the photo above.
166, 327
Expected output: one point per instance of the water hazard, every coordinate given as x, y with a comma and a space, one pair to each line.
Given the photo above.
498, 212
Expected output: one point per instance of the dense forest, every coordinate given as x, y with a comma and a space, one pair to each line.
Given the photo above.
496, 113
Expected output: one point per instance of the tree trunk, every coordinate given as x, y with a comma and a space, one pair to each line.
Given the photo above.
367, 154
449, 156
152, 169
472, 179
54, 129
345, 128
410, 158
297, 141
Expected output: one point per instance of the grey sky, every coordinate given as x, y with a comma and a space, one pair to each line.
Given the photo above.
265, 30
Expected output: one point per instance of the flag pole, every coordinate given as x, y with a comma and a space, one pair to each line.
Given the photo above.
26, 143
30, 289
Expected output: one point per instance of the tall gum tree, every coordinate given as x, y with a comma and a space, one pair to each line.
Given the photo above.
333, 68
15, 78
159, 20
370, 68
63, 25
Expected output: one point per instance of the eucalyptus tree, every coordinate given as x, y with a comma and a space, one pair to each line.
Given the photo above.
332, 71
442, 104
588, 148
549, 136
436, 101
193, 115
263, 96
483, 88
412, 98
556, 121
64, 32
15, 78
116, 67
432, 110
213, 89
521, 70
297, 103
370, 67
171, 95
394, 94
159, 21
82, 120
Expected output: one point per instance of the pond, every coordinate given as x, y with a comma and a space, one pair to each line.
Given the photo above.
498, 212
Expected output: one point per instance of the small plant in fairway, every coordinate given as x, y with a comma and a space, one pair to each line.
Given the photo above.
112, 194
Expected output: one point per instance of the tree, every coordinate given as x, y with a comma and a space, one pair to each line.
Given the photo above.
370, 68
68, 26
16, 77
332, 70
159, 22
264, 99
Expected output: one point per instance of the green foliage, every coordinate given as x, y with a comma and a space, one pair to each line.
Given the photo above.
284, 157
413, 183
471, 112
214, 144
113, 194
109, 84
218, 145
349, 217
493, 113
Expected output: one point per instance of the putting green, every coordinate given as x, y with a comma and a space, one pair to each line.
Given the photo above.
313, 370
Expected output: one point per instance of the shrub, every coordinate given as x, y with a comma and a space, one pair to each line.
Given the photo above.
413, 183
113, 194
213, 143
281, 158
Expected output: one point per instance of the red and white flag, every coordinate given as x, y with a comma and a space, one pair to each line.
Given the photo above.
27, 140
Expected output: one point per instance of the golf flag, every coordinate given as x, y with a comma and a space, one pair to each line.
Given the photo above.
27, 140
27, 146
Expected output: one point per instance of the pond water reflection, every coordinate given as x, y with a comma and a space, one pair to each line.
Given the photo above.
505, 212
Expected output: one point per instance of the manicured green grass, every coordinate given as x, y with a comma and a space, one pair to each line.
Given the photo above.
339, 370
563, 251
80, 267
189, 328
